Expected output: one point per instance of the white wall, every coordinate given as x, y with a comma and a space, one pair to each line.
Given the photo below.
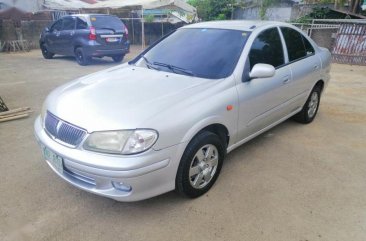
24, 5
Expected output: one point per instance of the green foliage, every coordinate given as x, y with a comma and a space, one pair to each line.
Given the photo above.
149, 18
213, 9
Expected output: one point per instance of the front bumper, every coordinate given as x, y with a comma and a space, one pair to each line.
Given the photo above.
148, 174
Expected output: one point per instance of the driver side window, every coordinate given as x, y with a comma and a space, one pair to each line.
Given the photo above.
267, 49
57, 26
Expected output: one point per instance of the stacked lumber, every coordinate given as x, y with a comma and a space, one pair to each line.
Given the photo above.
15, 45
15, 114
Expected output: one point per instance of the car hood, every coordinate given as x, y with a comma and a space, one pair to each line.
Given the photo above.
122, 97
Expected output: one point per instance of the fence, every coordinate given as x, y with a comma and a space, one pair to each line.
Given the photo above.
345, 38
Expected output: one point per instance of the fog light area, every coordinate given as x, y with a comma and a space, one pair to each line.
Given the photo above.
122, 186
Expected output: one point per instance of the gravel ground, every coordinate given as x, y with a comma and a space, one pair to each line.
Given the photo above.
295, 182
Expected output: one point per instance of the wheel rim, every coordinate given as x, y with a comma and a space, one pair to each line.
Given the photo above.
44, 50
203, 166
313, 104
79, 56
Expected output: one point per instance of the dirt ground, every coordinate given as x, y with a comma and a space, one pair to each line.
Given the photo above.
295, 182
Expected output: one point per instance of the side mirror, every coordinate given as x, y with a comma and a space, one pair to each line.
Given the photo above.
47, 29
262, 71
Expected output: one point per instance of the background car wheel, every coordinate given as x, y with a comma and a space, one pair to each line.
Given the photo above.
200, 165
81, 58
118, 58
310, 109
46, 54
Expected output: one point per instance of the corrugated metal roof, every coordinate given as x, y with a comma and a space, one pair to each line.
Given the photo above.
146, 4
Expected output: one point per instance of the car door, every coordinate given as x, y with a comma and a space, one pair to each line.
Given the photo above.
52, 38
305, 66
262, 100
67, 35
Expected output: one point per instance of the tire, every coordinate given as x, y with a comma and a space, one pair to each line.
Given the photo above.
310, 109
81, 58
46, 54
118, 58
196, 175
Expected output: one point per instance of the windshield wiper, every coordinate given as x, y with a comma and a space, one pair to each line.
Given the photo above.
149, 64
175, 68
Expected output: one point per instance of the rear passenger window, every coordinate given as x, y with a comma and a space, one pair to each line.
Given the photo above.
297, 45
81, 24
267, 49
308, 47
69, 24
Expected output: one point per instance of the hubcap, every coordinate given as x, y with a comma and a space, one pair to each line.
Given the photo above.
44, 49
313, 104
203, 166
79, 56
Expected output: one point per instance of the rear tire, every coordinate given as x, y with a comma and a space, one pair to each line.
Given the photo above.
46, 54
310, 109
118, 58
81, 58
200, 165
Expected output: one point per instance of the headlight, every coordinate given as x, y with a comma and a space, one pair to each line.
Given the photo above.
121, 142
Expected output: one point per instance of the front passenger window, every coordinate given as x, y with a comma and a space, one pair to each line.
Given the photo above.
267, 49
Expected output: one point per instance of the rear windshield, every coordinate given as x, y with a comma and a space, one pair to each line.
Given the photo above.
106, 22
206, 53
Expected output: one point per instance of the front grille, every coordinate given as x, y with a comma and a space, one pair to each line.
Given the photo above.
62, 131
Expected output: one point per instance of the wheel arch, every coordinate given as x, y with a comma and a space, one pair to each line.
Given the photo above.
320, 83
213, 125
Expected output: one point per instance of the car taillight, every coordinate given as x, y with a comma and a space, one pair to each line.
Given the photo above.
92, 34
126, 32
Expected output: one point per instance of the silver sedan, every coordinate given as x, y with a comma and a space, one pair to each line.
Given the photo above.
167, 119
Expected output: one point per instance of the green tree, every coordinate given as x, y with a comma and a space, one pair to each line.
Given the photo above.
213, 9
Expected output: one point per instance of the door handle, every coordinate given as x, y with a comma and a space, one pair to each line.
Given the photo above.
316, 67
72, 33
286, 79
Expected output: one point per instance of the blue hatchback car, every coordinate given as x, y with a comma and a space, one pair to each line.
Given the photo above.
85, 36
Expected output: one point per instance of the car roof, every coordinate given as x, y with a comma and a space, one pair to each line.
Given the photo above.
243, 25
90, 14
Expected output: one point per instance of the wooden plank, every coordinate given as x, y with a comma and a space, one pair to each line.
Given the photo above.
16, 114
14, 111
14, 117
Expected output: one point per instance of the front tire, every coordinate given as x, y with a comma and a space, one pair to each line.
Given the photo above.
46, 54
310, 109
81, 58
200, 165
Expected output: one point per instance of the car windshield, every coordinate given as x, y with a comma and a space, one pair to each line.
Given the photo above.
106, 22
201, 52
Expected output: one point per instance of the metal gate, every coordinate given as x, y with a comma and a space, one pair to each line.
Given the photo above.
350, 44
345, 38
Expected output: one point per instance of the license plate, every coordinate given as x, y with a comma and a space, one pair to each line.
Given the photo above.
55, 160
111, 40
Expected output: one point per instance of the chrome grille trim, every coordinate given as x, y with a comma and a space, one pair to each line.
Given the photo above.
63, 131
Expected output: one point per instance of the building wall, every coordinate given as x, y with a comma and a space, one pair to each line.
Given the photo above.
277, 13
274, 13
24, 5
